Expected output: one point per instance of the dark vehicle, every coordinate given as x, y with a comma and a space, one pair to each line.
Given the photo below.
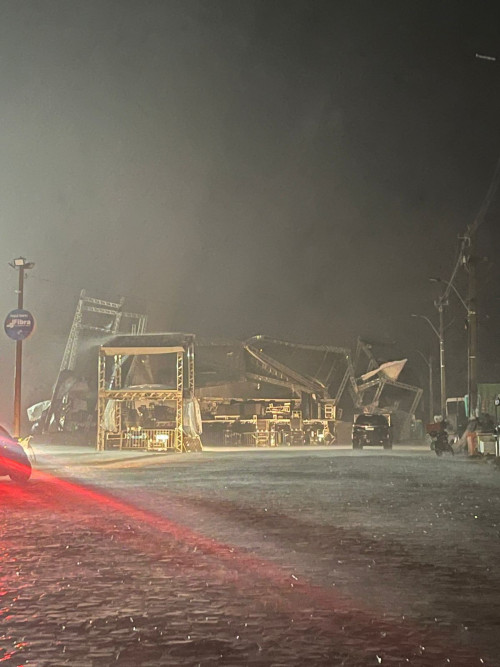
13, 459
371, 430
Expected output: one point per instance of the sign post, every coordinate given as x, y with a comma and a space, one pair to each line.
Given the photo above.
18, 326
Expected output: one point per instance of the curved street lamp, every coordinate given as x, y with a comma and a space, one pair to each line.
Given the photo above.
442, 368
429, 364
451, 286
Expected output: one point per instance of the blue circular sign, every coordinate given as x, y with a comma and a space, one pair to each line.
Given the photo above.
19, 324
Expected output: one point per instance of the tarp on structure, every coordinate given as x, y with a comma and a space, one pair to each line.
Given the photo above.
247, 389
390, 370
192, 418
144, 344
150, 340
109, 417
36, 411
218, 362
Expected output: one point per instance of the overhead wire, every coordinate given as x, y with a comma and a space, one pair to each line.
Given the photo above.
474, 226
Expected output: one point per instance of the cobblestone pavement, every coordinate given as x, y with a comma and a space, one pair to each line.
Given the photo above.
253, 559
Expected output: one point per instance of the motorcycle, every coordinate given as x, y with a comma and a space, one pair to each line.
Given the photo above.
440, 443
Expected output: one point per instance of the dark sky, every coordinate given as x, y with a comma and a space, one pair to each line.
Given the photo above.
238, 167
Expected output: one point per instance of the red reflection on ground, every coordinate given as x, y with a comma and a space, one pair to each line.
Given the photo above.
287, 592
15, 469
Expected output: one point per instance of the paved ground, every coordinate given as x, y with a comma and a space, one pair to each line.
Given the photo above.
269, 557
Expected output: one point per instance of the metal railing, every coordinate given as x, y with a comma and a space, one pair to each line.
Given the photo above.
148, 439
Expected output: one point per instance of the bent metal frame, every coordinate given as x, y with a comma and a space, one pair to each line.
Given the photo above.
182, 345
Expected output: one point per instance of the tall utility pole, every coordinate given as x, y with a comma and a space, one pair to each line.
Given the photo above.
442, 370
472, 325
468, 258
431, 389
471, 264
470, 307
21, 265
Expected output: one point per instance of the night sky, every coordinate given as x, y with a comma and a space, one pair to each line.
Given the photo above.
293, 168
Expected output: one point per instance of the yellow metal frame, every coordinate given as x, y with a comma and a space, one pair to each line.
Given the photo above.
152, 438
179, 424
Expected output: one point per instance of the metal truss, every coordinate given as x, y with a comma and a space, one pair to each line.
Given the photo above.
88, 304
179, 425
281, 372
112, 390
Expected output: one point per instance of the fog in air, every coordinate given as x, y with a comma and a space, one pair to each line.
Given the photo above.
231, 168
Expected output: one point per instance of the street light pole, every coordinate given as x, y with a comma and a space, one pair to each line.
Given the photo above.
442, 367
452, 287
472, 327
21, 265
429, 363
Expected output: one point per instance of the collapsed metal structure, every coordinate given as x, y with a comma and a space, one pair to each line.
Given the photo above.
94, 320
259, 392
268, 392
380, 378
265, 391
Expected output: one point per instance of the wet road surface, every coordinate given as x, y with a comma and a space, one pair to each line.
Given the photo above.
262, 558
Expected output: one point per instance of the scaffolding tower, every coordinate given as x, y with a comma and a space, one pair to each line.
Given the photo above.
96, 316
112, 432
